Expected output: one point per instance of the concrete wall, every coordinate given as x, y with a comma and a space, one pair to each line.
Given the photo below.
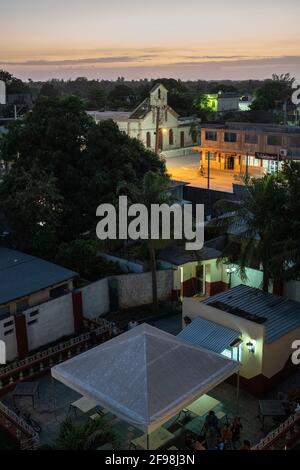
95, 299
136, 289
54, 320
251, 363
10, 338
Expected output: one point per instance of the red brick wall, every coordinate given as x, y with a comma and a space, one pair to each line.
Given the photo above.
21, 335
189, 287
77, 311
212, 288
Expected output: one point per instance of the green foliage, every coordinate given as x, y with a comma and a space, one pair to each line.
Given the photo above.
82, 256
269, 222
13, 84
87, 436
273, 93
63, 166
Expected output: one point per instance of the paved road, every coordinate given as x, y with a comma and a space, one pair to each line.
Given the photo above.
186, 168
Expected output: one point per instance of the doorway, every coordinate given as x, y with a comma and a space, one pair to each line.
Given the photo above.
160, 139
182, 139
229, 163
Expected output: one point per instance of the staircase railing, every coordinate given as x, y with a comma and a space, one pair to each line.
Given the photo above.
278, 433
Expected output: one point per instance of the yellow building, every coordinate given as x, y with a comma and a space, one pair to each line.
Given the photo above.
267, 325
238, 146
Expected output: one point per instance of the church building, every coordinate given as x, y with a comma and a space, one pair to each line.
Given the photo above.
156, 124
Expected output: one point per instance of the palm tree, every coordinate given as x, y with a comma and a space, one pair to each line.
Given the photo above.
85, 436
153, 191
260, 226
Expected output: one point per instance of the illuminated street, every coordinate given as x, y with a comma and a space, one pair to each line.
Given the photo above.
186, 168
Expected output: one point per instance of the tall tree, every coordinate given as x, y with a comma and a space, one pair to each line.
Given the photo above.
83, 161
260, 222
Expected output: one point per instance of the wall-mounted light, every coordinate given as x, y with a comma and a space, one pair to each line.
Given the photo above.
251, 346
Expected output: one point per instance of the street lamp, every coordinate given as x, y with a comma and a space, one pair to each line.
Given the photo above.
230, 270
236, 344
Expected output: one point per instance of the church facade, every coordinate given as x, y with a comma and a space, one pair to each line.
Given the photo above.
156, 124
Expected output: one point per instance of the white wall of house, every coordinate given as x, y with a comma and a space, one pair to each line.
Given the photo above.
53, 321
254, 278
252, 364
228, 103
9, 338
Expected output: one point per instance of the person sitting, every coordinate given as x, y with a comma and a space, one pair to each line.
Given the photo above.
236, 428
246, 445
211, 424
200, 443
226, 435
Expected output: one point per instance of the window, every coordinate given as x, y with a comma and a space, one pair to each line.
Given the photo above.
31, 322
34, 313
230, 137
251, 139
210, 135
8, 323
8, 332
274, 140
159, 94
148, 139
166, 115
22, 305
171, 137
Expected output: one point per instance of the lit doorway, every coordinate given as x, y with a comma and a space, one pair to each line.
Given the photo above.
229, 163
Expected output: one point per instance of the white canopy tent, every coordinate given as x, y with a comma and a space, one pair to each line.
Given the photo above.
145, 376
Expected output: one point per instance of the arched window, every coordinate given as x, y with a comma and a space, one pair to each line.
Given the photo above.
148, 139
171, 137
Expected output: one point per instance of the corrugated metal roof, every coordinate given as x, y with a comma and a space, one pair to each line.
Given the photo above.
208, 335
22, 274
282, 315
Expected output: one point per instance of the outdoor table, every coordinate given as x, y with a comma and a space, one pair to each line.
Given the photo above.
26, 389
271, 408
203, 405
157, 439
84, 404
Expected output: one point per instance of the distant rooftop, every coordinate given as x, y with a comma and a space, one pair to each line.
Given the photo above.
178, 255
255, 127
22, 274
278, 314
104, 115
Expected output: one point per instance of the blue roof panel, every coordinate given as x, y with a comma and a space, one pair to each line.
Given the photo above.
208, 335
282, 315
22, 274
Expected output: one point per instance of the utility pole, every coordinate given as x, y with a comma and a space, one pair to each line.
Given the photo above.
247, 167
208, 182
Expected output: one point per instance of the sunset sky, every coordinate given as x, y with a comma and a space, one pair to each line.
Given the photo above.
192, 39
